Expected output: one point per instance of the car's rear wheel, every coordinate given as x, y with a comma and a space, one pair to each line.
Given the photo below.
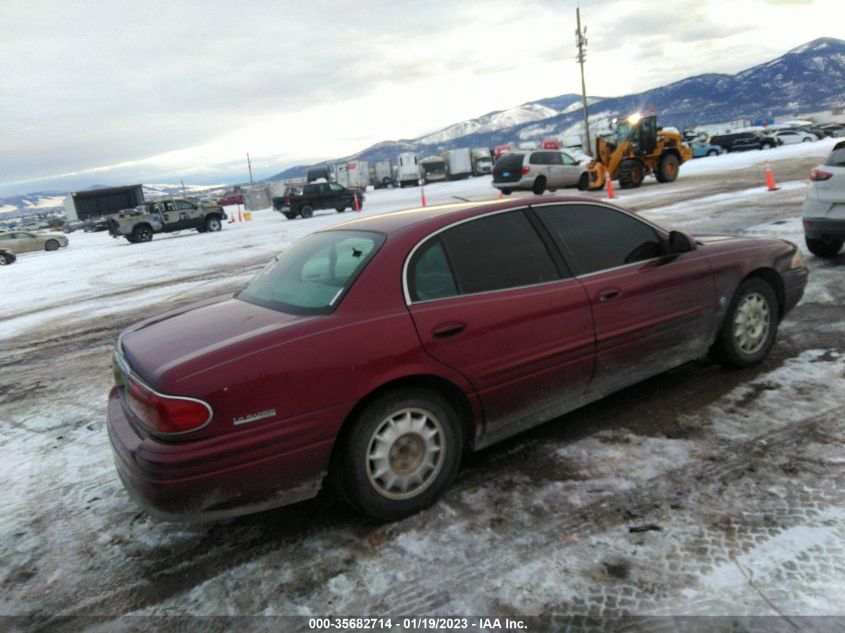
807, 140
51, 245
340, 209
142, 233
212, 224
289, 215
307, 211
4, 261
823, 247
400, 454
506, 192
539, 185
750, 326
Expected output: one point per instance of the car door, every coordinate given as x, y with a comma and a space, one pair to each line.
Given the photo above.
26, 242
491, 300
571, 170
652, 311
187, 215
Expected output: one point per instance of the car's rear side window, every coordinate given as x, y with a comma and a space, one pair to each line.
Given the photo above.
430, 274
497, 252
311, 276
837, 156
599, 238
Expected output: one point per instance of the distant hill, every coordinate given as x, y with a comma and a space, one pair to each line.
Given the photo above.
808, 78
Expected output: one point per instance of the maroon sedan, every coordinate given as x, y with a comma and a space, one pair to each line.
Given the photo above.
374, 353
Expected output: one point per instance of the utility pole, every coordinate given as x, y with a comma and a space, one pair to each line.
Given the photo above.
184, 195
249, 164
581, 43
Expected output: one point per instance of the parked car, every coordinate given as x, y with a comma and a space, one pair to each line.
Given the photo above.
700, 149
539, 170
824, 220
230, 199
23, 241
834, 129
374, 353
317, 195
790, 137
6, 257
742, 141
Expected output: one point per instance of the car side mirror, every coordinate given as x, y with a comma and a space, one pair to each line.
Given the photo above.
680, 243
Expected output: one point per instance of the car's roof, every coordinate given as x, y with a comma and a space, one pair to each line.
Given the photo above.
428, 219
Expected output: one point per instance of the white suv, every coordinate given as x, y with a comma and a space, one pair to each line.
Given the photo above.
539, 170
824, 206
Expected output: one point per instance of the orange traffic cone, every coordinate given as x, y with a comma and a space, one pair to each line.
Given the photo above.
355, 205
422, 196
770, 179
240, 214
610, 193
501, 194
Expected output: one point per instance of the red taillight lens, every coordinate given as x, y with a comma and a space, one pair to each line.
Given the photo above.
287, 201
525, 171
165, 414
817, 174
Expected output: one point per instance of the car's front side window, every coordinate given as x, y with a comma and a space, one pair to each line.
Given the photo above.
311, 276
600, 238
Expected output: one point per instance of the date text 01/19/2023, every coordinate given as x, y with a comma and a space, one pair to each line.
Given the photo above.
417, 624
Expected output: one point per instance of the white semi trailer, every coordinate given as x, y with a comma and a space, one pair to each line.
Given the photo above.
458, 163
354, 174
408, 170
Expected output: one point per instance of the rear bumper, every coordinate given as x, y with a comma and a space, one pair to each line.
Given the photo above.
522, 183
213, 479
794, 283
817, 228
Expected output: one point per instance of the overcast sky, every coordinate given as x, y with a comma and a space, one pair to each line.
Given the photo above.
121, 91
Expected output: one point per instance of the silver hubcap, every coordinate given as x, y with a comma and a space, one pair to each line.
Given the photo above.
752, 323
405, 453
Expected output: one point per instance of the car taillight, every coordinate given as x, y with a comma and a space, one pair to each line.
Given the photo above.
525, 171
165, 414
287, 200
817, 174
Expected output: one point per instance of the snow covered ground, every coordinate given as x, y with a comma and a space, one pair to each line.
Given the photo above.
699, 492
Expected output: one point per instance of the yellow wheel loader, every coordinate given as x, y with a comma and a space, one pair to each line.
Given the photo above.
639, 149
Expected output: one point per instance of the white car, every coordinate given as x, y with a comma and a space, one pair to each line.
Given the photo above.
537, 170
24, 241
824, 206
794, 136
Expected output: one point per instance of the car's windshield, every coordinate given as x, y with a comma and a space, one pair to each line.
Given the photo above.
312, 276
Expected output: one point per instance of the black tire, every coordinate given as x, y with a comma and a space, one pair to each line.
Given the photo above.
142, 233
306, 211
750, 326
807, 140
584, 182
712, 152
340, 209
213, 224
51, 245
4, 261
667, 169
371, 480
821, 247
506, 192
289, 215
630, 174
539, 185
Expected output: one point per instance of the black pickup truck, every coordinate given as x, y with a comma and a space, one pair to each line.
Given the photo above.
317, 195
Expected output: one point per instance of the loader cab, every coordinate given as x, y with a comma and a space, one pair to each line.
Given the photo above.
640, 131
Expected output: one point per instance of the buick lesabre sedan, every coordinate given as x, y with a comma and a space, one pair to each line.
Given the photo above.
373, 354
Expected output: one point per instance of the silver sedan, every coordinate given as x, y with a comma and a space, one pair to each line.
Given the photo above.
22, 241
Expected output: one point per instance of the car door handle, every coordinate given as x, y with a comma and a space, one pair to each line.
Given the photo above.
608, 294
449, 328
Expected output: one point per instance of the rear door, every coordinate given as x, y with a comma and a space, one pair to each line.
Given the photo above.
491, 300
652, 311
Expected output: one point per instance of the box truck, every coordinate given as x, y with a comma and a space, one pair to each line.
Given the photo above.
458, 163
481, 161
382, 174
434, 169
354, 174
408, 169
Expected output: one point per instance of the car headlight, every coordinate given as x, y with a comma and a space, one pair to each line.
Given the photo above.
796, 260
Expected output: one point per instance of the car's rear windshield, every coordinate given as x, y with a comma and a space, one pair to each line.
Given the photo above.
837, 156
509, 161
312, 276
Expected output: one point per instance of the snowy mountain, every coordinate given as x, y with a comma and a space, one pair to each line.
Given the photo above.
808, 78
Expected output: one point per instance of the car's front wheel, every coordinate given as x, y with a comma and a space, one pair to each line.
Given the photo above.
213, 224
307, 211
400, 454
51, 245
823, 247
750, 326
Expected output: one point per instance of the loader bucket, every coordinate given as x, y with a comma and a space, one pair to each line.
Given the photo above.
598, 175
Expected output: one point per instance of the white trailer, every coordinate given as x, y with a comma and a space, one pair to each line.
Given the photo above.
458, 163
408, 170
382, 174
354, 174
482, 163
